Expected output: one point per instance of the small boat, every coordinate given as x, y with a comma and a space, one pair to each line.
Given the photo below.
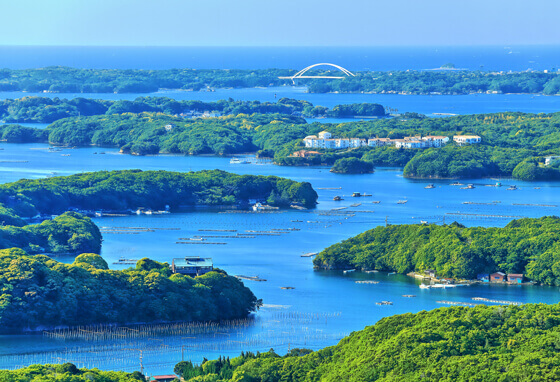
348, 271
337, 198
469, 187
287, 288
498, 184
431, 185
512, 187
409, 295
297, 221
402, 201
424, 286
376, 202
356, 194
391, 273
456, 184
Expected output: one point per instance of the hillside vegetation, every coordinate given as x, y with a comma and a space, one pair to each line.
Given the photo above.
458, 344
528, 246
130, 189
39, 292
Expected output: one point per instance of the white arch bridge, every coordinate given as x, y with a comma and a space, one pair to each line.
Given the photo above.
301, 73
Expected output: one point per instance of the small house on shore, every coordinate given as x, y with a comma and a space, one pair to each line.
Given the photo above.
430, 272
515, 278
192, 266
497, 277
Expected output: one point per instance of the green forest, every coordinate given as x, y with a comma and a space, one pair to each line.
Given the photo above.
130, 189
57, 79
38, 291
527, 246
47, 110
67, 372
68, 233
457, 344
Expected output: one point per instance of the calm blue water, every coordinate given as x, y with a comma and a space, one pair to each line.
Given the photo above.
514, 58
325, 305
425, 104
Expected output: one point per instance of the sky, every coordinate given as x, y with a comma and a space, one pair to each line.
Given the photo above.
279, 23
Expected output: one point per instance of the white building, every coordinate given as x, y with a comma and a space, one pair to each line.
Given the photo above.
467, 139
325, 135
551, 159
435, 140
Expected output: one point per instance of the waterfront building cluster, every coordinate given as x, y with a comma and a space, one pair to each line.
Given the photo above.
325, 140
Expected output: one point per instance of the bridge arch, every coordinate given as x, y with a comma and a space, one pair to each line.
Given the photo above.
343, 70
301, 73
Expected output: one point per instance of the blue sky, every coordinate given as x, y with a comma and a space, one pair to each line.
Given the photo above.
279, 23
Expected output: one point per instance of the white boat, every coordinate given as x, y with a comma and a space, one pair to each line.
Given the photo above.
424, 286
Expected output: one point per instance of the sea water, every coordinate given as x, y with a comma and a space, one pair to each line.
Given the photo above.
324, 306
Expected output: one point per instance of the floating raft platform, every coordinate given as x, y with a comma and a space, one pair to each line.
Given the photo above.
217, 230
251, 278
384, 303
504, 302
456, 303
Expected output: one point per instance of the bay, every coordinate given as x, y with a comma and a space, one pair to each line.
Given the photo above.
325, 305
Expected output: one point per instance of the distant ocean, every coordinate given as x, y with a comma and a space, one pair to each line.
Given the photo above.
516, 58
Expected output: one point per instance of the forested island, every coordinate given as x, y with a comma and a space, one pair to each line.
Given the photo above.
527, 246
47, 110
130, 189
498, 343
39, 292
58, 79
23, 201
513, 144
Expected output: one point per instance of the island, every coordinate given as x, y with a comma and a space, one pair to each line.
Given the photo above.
130, 189
32, 109
41, 293
57, 79
527, 247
